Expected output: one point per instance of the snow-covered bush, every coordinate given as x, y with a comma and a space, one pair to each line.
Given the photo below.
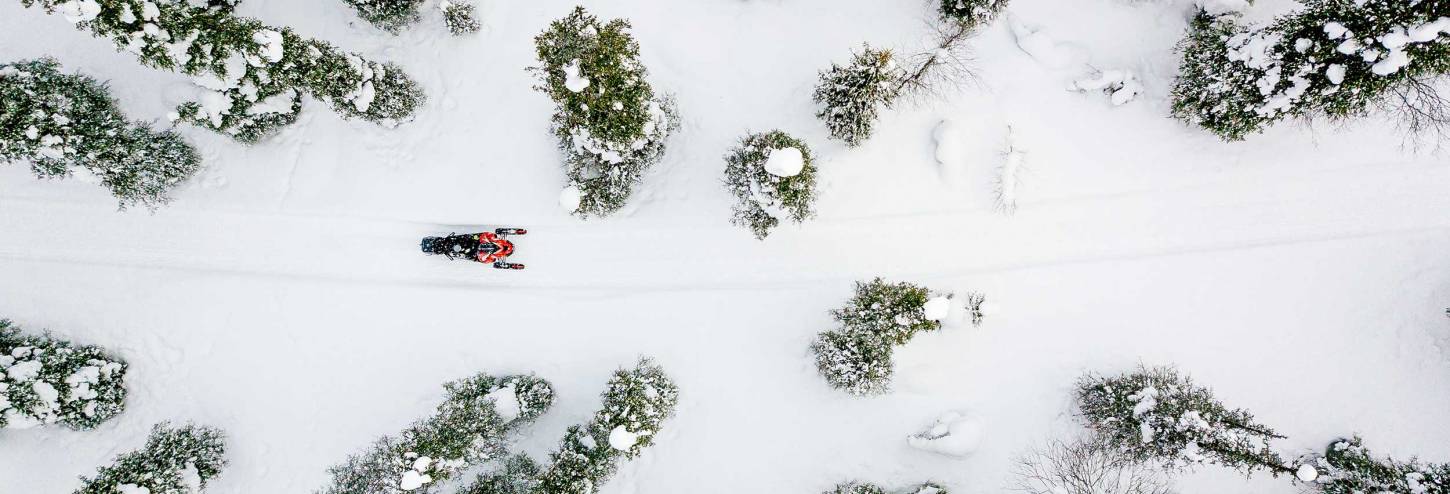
1156, 415
65, 124
176, 460
851, 97
636, 404
867, 488
389, 15
972, 13
1085, 467
468, 428
856, 362
253, 75
894, 311
47, 381
519, 474
774, 178
954, 434
1348, 468
610, 123
458, 15
1334, 58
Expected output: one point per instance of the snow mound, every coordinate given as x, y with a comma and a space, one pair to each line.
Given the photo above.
1122, 85
785, 162
937, 309
954, 434
951, 154
1306, 473
1042, 47
506, 403
569, 198
622, 439
573, 80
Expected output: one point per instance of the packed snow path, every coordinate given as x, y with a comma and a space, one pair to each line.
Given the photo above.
1302, 274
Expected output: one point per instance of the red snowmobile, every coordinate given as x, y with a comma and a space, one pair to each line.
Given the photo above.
487, 247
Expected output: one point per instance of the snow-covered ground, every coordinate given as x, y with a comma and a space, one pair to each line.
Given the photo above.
1302, 274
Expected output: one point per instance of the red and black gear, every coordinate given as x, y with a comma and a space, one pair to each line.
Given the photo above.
493, 248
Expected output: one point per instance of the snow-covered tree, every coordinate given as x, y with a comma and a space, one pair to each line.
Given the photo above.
253, 75
459, 16
1085, 467
65, 124
44, 381
1333, 58
894, 311
519, 474
1157, 415
176, 460
468, 428
610, 123
774, 178
636, 404
1348, 468
867, 488
856, 362
972, 13
851, 97
389, 15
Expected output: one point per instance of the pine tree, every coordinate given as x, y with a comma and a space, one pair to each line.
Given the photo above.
254, 74
852, 96
881, 315
972, 13
389, 15
856, 488
44, 381
176, 460
1333, 58
1157, 415
458, 15
894, 311
635, 406
65, 124
610, 123
519, 474
1348, 468
856, 362
773, 176
468, 428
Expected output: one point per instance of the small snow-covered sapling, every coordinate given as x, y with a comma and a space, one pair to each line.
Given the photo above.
773, 178
44, 380
1009, 176
176, 460
459, 16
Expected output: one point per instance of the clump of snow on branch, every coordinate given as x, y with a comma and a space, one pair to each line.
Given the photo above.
1121, 86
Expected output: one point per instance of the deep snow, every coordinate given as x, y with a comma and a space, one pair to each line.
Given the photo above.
1301, 274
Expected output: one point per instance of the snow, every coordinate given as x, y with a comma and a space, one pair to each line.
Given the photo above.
1139, 240
412, 480
569, 198
1121, 85
950, 153
506, 403
954, 434
24, 371
785, 162
191, 478
132, 489
1335, 73
1306, 473
271, 43
622, 439
77, 11
573, 80
937, 308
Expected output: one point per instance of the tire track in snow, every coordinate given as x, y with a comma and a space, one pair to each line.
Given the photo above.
614, 258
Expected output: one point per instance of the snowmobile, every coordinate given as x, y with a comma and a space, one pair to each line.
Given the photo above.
486, 247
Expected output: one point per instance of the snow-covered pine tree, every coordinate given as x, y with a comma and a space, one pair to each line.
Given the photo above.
468, 428
519, 474
458, 15
610, 123
894, 311
45, 381
868, 488
774, 178
176, 460
856, 362
1334, 58
852, 96
636, 404
1157, 415
1348, 468
64, 124
972, 13
254, 75
389, 15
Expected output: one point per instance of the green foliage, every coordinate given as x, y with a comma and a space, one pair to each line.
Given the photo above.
851, 97
972, 13
64, 123
765, 198
1157, 415
610, 123
47, 381
467, 429
856, 488
1348, 468
254, 74
518, 475
894, 311
1236, 80
458, 15
176, 460
636, 404
389, 15
856, 362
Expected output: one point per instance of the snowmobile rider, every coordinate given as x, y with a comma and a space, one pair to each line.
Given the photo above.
493, 248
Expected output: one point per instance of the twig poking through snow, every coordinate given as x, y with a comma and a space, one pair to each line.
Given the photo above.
1009, 176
